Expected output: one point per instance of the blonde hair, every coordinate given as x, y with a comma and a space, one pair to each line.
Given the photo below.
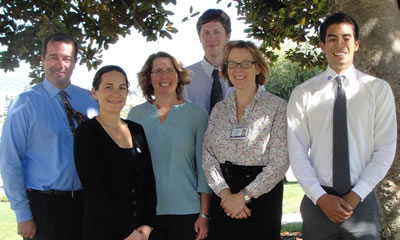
259, 59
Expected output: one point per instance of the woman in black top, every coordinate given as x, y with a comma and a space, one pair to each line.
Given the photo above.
113, 163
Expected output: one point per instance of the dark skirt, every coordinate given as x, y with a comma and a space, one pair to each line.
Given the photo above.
266, 210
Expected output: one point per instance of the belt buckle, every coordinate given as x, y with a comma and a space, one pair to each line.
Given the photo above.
228, 169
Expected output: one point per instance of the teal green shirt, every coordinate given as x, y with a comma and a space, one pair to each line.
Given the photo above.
176, 153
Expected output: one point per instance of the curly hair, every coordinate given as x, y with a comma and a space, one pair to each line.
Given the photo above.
144, 76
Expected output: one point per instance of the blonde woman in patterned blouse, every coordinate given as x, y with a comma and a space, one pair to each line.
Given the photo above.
245, 154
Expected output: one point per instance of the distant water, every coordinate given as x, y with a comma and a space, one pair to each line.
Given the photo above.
14, 82
13, 86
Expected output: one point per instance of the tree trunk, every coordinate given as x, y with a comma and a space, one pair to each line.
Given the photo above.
379, 55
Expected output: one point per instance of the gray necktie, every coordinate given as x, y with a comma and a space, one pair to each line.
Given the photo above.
216, 89
341, 169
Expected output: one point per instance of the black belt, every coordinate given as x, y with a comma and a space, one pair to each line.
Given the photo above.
57, 193
232, 170
332, 191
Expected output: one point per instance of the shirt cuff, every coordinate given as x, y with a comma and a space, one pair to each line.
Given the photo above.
220, 188
204, 189
23, 214
362, 190
316, 194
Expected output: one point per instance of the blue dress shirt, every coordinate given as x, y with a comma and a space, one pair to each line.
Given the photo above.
199, 90
36, 148
176, 152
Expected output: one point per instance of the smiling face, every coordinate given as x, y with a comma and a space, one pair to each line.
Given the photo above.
242, 78
164, 77
59, 63
339, 46
112, 92
213, 38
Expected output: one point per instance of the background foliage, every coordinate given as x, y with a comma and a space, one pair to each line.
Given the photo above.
95, 25
274, 21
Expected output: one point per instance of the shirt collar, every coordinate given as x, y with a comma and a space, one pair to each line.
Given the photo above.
208, 68
258, 95
256, 98
53, 90
349, 74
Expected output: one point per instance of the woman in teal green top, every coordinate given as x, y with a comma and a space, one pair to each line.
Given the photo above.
174, 130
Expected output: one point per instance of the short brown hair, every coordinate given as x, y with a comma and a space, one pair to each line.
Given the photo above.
144, 76
262, 65
60, 37
214, 15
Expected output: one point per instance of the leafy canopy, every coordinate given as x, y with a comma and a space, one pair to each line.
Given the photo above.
273, 21
97, 24
94, 24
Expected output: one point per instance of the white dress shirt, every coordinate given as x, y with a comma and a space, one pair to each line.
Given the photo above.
371, 124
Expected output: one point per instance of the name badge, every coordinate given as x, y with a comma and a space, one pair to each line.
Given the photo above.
239, 133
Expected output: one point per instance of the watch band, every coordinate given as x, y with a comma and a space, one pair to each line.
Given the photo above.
246, 197
204, 216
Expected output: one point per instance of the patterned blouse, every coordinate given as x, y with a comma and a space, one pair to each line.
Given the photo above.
265, 144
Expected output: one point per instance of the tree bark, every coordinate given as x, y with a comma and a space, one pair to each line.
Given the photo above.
379, 55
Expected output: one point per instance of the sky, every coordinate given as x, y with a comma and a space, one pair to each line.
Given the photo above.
131, 52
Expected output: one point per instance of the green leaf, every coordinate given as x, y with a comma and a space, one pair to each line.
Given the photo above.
195, 14
303, 21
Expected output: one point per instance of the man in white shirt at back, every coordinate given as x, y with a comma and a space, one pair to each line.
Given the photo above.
371, 140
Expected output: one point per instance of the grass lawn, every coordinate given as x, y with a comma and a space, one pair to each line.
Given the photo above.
291, 203
8, 225
292, 196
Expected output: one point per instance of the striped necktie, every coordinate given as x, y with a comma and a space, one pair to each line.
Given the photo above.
72, 114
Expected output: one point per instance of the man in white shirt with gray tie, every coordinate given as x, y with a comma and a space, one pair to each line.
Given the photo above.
342, 138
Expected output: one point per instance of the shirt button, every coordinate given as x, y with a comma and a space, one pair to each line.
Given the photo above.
133, 190
134, 202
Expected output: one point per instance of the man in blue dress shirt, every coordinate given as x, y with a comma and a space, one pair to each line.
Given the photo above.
214, 29
36, 149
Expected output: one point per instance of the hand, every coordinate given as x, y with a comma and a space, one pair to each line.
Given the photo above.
335, 208
233, 204
201, 228
352, 198
27, 229
145, 230
136, 235
245, 213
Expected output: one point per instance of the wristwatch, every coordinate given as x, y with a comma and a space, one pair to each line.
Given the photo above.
204, 216
246, 197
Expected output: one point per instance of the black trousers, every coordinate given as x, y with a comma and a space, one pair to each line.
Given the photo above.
265, 219
56, 217
174, 227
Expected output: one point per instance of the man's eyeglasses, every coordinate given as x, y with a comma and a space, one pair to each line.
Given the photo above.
160, 71
244, 64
